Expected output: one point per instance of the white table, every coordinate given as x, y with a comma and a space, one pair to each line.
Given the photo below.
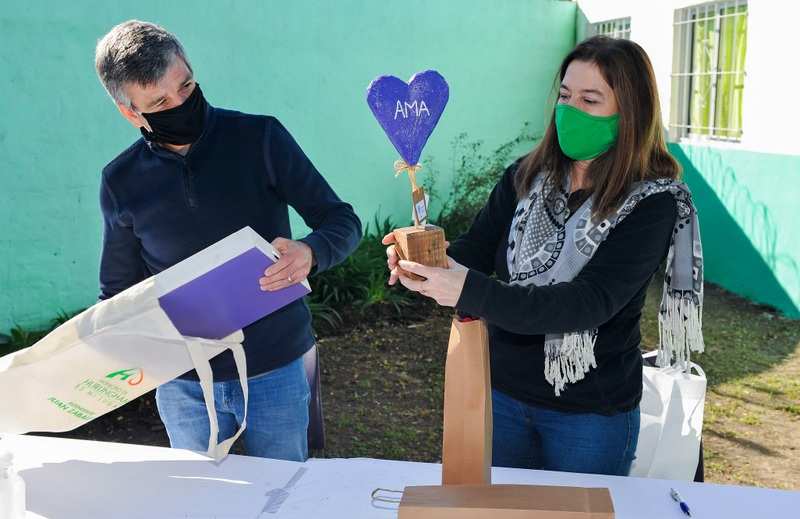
82, 479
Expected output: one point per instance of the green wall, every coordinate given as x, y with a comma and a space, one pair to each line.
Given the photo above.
748, 208
307, 62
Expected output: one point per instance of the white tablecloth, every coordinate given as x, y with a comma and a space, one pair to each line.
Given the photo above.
81, 479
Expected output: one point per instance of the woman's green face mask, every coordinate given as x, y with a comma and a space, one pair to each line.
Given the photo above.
583, 136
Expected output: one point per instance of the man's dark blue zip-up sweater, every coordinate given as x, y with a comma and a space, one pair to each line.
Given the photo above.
160, 207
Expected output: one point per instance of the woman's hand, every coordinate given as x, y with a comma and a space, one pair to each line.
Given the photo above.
442, 285
391, 257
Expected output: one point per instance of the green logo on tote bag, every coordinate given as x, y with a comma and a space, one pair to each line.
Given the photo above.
134, 376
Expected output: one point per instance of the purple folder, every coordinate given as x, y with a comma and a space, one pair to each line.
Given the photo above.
226, 298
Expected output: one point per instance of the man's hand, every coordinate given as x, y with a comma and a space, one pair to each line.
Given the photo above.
293, 266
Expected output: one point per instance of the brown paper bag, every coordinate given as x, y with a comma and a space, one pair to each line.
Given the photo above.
467, 435
505, 502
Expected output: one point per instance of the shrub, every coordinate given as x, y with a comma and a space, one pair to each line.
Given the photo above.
360, 282
474, 173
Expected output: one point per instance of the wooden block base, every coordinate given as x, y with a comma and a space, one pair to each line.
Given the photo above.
505, 502
421, 244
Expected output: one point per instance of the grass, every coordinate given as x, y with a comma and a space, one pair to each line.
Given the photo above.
752, 419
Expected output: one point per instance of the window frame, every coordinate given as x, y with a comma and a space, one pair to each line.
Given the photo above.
613, 27
683, 76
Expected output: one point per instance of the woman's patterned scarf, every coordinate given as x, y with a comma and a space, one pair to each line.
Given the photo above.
545, 248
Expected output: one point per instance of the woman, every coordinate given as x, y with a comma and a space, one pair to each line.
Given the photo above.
574, 232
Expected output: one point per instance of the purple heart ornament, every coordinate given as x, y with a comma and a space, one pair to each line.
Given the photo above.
408, 112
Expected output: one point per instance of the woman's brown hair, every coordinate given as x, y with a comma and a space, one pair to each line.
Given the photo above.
640, 151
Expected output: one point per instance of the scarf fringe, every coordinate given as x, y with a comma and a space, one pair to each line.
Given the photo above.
569, 361
680, 323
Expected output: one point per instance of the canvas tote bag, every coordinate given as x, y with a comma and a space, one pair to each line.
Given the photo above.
108, 355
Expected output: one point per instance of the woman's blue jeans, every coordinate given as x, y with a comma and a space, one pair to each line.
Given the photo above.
533, 437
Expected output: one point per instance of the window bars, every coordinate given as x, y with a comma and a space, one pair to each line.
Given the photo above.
616, 28
709, 48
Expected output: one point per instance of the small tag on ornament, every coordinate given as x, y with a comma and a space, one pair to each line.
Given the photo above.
420, 206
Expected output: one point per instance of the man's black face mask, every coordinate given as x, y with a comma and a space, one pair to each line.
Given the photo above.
180, 125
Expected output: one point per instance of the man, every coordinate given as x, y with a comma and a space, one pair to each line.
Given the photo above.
198, 174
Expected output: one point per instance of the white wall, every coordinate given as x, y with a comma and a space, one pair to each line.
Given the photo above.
771, 105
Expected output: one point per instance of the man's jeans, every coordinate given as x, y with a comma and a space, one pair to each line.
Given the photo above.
277, 413
533, 437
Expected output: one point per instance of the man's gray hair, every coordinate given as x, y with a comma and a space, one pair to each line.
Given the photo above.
135, 52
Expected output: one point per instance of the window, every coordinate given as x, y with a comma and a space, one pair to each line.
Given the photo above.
617, 28
710, 42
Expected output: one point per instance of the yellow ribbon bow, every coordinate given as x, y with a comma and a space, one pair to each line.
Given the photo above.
401, 165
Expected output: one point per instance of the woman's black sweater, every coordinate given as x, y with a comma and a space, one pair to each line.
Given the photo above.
607, 294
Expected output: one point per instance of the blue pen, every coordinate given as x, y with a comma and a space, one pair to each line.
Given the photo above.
677, 498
